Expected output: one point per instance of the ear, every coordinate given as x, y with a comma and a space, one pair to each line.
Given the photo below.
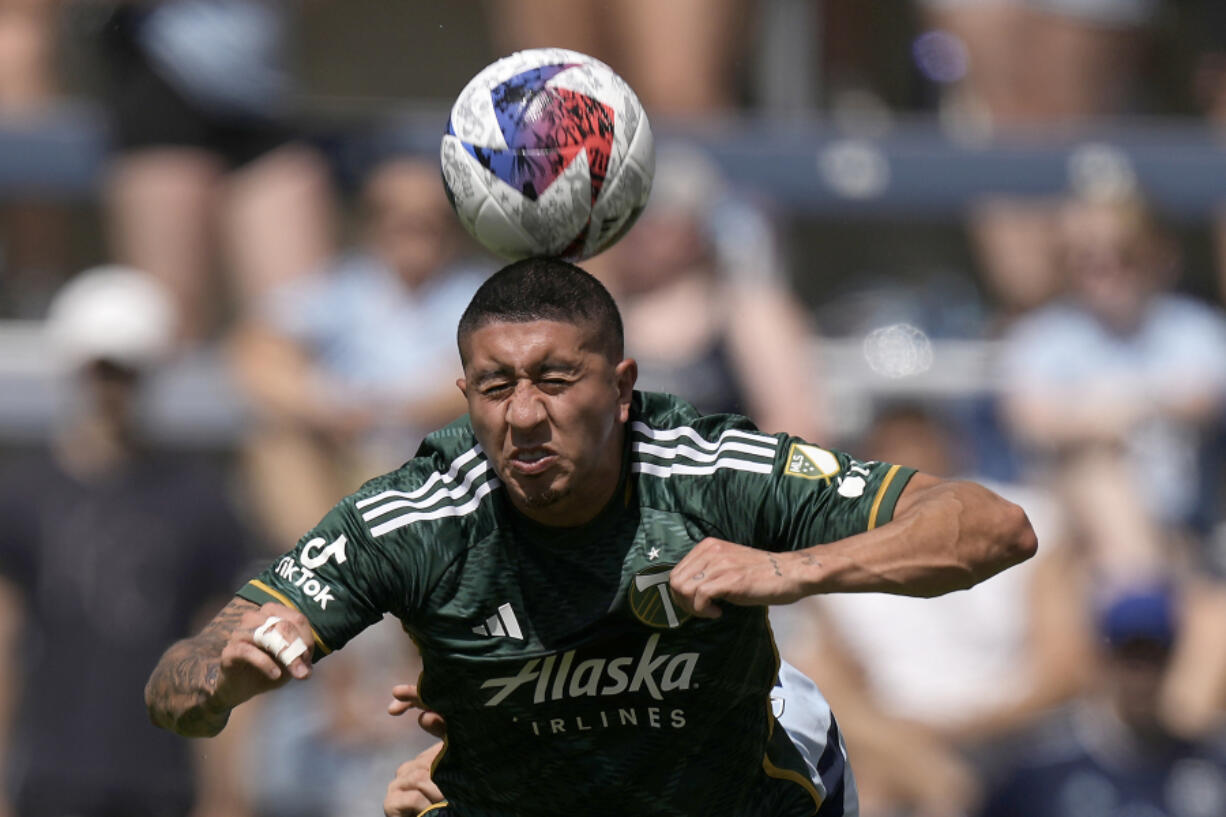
462, 384
625, 374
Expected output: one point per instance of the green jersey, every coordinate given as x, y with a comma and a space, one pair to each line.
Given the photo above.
569, 680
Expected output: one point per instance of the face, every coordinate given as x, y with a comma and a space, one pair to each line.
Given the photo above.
1114, 262
411, 223
112, 391
549, 408
1134, 678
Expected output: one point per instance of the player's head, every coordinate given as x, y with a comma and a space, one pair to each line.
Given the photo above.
547, 388
551, 289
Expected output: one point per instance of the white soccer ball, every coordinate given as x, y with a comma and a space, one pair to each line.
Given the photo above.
547, 152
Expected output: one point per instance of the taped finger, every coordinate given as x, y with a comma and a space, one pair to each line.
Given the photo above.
292, 652
268, 624
270, 639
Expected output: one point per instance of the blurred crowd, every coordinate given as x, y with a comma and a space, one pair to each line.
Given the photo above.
318, 264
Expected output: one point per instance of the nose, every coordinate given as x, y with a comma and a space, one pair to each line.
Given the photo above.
525, 409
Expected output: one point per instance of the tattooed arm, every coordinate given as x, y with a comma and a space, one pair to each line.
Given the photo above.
200, 679
945, 536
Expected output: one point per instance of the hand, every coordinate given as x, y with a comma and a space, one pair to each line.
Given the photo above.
404, 698
255, 655
716, 570
412, 791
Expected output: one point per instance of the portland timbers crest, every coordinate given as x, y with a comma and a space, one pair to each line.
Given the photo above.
650, 599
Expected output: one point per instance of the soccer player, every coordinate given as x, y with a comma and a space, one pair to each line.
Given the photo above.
586, 569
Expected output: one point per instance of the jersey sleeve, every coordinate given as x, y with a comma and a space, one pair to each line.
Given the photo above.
804, 495
769, 491
816, 495
339, 577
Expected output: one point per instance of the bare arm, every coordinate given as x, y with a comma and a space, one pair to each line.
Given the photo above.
12, 618
200, 679
945, 536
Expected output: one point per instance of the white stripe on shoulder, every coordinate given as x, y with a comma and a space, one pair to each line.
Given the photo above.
668, 434
438, 513
456, 492
435, 478
694, 454
724, 463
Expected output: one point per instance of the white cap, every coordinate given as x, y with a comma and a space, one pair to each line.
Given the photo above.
113, 313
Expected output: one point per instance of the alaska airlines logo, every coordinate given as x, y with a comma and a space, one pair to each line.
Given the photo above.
555, 677
651, 602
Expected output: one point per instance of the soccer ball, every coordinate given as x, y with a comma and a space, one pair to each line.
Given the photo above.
547, 152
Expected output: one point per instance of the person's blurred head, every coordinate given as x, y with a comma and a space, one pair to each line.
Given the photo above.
914, 435
1138, 629
109, 325
410, 224
671, 237
1115, 255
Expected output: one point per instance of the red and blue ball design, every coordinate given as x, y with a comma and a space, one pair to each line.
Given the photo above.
545, 128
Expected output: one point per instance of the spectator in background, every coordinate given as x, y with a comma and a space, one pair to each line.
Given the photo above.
108, 549
27, 55
680, 57
33, 225
349, 367
1116, 384
929, 689
207, 159
1112, 754
704, 296
1205, 24
1033, 66
1112, 390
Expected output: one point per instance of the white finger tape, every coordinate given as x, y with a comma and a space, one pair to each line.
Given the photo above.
268, 624
269, 638
292, 651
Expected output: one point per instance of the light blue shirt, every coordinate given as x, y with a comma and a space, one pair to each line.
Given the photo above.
1178, 349
375, 338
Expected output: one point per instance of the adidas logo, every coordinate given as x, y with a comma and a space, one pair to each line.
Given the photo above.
501, 623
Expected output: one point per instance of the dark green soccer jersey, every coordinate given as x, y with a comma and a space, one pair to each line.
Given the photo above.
570, 681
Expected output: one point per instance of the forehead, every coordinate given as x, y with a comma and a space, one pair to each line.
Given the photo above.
524, 344
1097, 224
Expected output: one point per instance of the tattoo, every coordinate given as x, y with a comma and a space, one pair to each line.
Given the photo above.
181, 693
775, 564
810, 559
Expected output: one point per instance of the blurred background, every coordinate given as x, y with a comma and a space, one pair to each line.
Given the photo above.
986, 238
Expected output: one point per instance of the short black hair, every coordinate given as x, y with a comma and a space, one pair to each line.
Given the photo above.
545, 289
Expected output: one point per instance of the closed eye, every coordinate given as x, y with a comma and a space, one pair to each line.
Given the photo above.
554, 385
494, 389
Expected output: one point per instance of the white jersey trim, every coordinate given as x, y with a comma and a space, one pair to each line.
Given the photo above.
458, 492
669, 453
438, 513
733, 449
729, 463
666, 434
459, 498
437, 476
